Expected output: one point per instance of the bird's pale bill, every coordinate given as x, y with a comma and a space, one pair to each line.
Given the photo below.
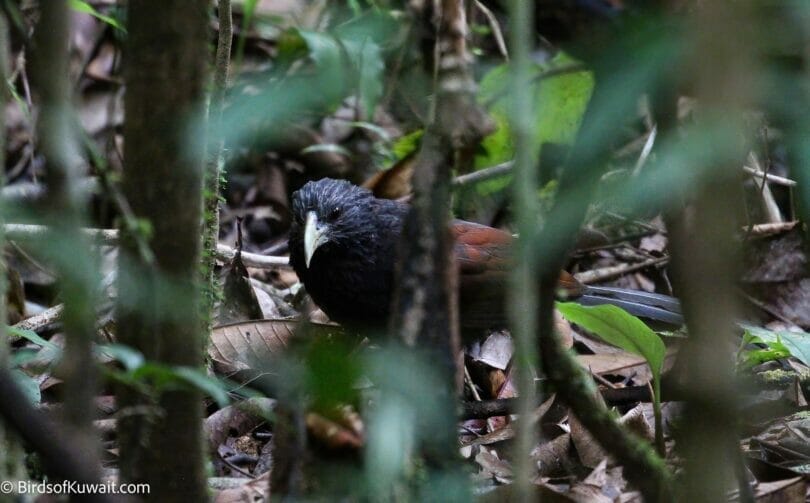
315, 234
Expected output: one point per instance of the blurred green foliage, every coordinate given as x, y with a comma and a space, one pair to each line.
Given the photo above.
779, 344
84, 7
559, 102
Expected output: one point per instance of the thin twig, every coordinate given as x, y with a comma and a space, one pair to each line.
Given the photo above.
645, 152
497, 34
483, 175
109, 237
606, 273
779, 180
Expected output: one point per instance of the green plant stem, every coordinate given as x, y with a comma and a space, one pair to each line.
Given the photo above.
523, 292
66, 249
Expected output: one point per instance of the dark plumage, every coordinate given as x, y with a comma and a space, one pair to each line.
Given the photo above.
343, 246
351, 275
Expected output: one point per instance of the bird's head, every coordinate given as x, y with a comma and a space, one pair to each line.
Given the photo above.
329, 212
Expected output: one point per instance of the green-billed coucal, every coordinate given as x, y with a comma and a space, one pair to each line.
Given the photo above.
343, 246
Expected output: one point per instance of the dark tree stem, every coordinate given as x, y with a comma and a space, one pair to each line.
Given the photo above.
158, 311
425, 307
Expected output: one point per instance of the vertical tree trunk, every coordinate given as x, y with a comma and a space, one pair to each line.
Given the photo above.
425, 307
706, 259
158, 311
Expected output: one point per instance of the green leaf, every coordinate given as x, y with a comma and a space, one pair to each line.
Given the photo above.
340, 57
619, 328
370, 67
559, 104
209, 385
324, 49
752, 358
31, 336
27, 385
130, 358
407, 144
86, 8
21, 357
797, 343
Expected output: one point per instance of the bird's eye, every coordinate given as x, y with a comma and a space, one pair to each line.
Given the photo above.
334, 214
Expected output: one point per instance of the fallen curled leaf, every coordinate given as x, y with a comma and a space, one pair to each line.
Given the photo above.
253, 345
248, 345
239, 301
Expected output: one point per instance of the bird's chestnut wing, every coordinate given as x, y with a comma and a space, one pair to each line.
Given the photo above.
484, 258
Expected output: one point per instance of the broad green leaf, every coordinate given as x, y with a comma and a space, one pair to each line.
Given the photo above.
31, 336
130, 358
798, 343
559, 103
21, 357
324, 49
619, 328
368, 61
340, 59
27, 385
86, 8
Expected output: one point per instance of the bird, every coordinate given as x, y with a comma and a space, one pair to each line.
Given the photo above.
343, 246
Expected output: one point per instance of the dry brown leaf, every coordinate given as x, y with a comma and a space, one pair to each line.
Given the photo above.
554, 458
500, 469
248, 345
239, 301
395, 182
252, 345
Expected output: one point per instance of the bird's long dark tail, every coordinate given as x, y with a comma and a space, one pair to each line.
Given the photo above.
651, 306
